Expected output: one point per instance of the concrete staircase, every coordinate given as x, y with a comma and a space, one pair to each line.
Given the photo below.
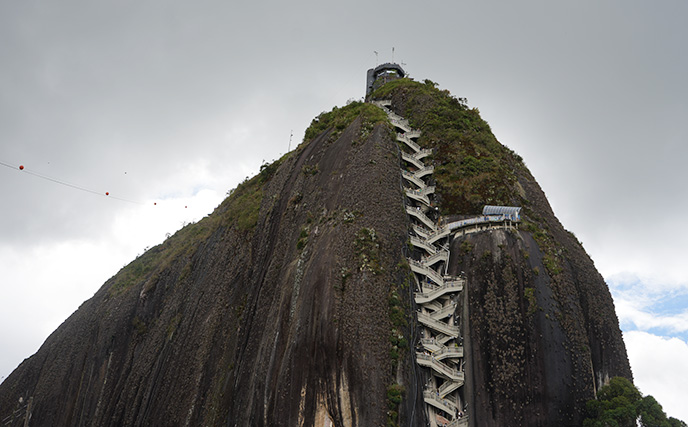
440, 368
440, 350
418, 214
447, 288
435, 295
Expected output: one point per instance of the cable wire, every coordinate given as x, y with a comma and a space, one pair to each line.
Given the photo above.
67, 184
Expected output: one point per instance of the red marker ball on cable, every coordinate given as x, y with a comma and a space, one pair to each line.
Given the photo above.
107, 193
21, 167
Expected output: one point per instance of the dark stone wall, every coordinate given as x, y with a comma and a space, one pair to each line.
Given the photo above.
542, 339
288, 322
540, 325
275, 326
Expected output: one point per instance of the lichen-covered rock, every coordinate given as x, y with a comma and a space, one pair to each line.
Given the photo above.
271, 311
291, 304
540, 329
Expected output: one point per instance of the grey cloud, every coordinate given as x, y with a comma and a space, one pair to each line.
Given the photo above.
591, 94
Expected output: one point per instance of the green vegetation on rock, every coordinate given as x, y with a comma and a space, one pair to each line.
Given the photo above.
397, 315
471, 167
240, 210
245, 206
529, 294
394, 395
303, 239
339, 118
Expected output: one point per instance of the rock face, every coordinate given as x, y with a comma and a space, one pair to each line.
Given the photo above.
229, 323
539, 345
541, 334
291, 304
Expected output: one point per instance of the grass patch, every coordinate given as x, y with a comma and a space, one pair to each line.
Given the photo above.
303, 239
240, 210
340, 118
397, 316
136, 271
550, 259
395, 393
243, 208
471, 167
551, 263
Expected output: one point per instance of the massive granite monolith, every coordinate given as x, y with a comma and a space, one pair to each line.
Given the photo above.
292, 303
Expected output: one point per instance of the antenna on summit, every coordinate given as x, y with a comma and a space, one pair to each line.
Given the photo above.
290, 136
376, 61
392, 55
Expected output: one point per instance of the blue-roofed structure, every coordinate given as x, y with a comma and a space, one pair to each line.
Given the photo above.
509, 212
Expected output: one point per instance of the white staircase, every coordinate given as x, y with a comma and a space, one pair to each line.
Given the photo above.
436, 292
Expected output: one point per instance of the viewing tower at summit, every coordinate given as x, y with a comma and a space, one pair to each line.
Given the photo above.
382, 74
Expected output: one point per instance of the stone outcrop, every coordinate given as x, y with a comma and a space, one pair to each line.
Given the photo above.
292, 304
539, 326
280, 322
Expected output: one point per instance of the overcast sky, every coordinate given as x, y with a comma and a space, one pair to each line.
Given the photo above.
175, 102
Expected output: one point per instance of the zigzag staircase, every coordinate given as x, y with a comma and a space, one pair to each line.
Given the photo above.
437, 295
440, 350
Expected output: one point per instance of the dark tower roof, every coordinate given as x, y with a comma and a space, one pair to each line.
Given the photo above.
387, 71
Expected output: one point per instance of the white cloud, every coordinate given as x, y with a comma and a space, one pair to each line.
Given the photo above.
653, 256
654, 318
190, 100
660, 369
650, 304
47, 282
640, 316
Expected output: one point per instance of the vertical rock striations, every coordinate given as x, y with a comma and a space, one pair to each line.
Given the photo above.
271, 311
293, 302
541, 333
